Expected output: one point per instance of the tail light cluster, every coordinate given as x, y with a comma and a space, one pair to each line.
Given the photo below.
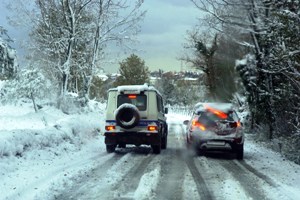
110, 127
196, 124
152, 128
149, 128
235, 124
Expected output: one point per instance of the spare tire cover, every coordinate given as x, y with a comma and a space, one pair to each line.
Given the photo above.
127, 116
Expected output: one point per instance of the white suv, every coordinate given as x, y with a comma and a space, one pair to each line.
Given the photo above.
135, 115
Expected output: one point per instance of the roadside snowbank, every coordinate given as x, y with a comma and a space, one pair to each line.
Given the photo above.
22, 130
36, 148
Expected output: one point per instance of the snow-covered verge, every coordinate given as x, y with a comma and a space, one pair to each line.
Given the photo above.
283, 173
39, 150
287, 145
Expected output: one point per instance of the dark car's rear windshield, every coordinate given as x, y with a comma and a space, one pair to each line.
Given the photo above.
139, 100
209, 119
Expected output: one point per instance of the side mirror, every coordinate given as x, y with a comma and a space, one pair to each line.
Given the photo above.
166, 110
186, 122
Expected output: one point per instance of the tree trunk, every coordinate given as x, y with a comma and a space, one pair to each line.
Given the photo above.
33, 101
211, 77
64, 84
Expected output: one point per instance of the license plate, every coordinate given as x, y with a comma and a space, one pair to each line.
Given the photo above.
216, 143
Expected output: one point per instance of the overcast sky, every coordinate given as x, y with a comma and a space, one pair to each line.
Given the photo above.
164, 30
162, 35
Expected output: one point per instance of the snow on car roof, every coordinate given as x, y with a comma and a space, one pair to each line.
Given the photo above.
134, 88
225, 107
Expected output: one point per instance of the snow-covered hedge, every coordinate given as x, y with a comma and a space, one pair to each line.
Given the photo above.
46, 130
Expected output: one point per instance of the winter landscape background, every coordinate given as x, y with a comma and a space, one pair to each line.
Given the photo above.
54, 78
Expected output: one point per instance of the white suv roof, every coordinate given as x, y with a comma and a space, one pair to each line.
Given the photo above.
134, 89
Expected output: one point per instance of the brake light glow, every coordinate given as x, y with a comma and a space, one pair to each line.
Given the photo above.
110, 128
195, 123
152, 128
219, 113
238, 124
132, 96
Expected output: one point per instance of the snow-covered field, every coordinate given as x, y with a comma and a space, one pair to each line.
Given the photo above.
44, 153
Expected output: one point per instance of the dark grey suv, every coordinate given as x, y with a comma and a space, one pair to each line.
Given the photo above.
215, 126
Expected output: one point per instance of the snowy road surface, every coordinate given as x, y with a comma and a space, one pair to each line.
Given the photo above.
135, 173
81, 169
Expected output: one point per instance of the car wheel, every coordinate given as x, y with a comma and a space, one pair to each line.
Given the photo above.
127, 116
240, 152
200, 152
110, 148
156, 149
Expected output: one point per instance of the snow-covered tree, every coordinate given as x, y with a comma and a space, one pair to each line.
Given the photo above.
204, 58
70, 37
188, 94
215, 55
133, 71
274, 30
8, 58
28, 84
283, 65
167, 88
61, 37
114, 21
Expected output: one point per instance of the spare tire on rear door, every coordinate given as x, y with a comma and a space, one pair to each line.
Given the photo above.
127, 116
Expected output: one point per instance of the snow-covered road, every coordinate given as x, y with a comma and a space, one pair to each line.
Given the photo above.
176, 173
81, 169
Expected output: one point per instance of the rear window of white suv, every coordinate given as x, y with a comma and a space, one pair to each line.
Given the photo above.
139, 100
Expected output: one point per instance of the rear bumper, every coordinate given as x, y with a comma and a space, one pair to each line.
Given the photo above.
216, 143
136, 138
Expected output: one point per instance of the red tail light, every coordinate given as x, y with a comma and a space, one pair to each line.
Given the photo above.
152, 128
195, 123
110, 128
132, 96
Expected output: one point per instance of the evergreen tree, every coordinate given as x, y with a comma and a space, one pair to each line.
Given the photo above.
133, 71
8, 58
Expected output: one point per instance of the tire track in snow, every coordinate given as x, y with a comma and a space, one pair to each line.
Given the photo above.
202, 188
126, 187
172, 175
219, 180
173, 166
80, 187
258, 174
247, 179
